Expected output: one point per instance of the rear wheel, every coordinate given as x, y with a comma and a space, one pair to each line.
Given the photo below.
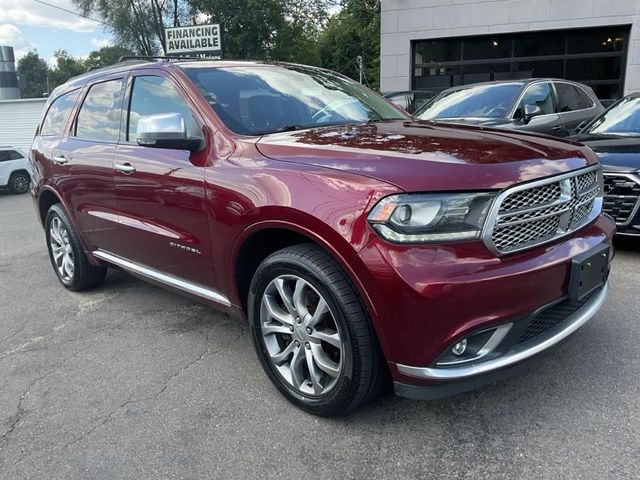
67, 256
19, 183
311, 332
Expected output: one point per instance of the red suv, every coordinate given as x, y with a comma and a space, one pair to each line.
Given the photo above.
357, 241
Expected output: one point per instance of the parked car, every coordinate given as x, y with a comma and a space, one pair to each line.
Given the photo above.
552, 107
410, 101
14, 170
356, 241
615, 137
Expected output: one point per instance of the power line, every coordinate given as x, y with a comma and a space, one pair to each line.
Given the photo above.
72, 12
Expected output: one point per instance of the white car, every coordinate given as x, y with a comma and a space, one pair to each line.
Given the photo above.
14, 170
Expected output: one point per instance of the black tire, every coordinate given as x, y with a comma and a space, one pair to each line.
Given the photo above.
19, 183
85, 275
363, 369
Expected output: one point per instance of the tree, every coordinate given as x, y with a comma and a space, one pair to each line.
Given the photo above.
139, 24
285, 30
353, 31
106, 56
33, 72
65, 68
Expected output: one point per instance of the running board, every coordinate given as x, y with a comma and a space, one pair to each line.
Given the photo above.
152, 274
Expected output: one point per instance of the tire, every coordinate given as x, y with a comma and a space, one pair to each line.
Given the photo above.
63, 244
357, 370
19, 183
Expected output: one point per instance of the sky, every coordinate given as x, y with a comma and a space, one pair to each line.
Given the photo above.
28, 25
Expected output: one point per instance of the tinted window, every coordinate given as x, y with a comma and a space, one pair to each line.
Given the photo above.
623, 119
258, 100
479, 101
567, 97
584, 100
58, 113
541, 95
152, 95
99, 117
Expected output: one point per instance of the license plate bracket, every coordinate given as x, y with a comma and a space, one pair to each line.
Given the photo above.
589, 271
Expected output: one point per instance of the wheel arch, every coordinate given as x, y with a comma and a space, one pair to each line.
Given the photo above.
262, 239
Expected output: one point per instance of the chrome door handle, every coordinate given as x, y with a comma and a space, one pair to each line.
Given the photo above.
60, 159
125, 168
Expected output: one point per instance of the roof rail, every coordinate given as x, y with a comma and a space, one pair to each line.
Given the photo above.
149, 58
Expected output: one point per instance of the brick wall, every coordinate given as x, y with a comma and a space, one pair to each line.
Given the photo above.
405, 20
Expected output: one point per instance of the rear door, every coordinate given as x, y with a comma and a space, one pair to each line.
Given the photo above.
85, 164
161, 196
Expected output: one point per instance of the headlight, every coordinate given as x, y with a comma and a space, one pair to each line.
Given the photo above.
417, 218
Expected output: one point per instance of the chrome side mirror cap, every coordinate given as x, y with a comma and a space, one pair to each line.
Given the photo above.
166, 130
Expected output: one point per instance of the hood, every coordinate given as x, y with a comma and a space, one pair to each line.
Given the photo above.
616, 153
420, 156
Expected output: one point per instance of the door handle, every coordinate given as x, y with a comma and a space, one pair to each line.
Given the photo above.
60, 159
125, 168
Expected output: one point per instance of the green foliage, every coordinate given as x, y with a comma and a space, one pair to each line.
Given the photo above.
353, 31
106, 56
285, 30
32, 71
66, 67
139, 24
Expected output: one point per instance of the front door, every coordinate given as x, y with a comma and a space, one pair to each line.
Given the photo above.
161, 192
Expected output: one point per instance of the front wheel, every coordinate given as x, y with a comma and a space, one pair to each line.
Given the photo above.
311, 332
67, 256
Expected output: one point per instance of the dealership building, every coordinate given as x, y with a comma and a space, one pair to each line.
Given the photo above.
435, 44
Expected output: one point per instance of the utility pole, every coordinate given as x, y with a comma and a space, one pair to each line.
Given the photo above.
359, 60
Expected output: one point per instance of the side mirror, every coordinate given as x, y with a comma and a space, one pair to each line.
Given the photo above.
166, 130
531, 111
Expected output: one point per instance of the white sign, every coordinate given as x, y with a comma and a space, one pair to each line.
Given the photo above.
194, 39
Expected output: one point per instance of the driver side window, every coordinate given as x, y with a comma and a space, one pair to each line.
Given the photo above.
152, 95
541, 95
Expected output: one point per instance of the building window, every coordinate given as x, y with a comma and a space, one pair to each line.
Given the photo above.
593, 56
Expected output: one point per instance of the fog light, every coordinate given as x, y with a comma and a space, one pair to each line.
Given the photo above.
460, 347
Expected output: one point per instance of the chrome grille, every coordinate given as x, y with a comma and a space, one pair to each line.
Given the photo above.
532, 214
621, 196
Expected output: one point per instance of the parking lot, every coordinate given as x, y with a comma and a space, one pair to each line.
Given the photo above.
132, 381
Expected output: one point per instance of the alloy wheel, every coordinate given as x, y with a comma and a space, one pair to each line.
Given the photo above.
61, 249
20, 184
301, 335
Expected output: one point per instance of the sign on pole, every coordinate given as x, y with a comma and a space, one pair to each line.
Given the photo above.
194, 40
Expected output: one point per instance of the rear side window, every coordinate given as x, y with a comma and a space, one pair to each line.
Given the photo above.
567, 97
152, 95
572, 98
6, 155
99, 116
58, 113
584, 100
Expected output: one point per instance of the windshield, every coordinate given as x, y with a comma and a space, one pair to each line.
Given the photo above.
623, 119
256, 100
485, 101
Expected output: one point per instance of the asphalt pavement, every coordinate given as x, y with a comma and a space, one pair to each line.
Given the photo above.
130, 381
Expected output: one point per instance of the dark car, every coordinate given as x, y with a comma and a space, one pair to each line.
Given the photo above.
356, 241
615, 137
552, 107
410, 101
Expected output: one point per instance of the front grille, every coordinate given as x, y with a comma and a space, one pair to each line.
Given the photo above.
527, 216
552, 316
621, 197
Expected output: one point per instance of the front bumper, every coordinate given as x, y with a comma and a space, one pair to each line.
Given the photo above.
428, 297
484, 372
